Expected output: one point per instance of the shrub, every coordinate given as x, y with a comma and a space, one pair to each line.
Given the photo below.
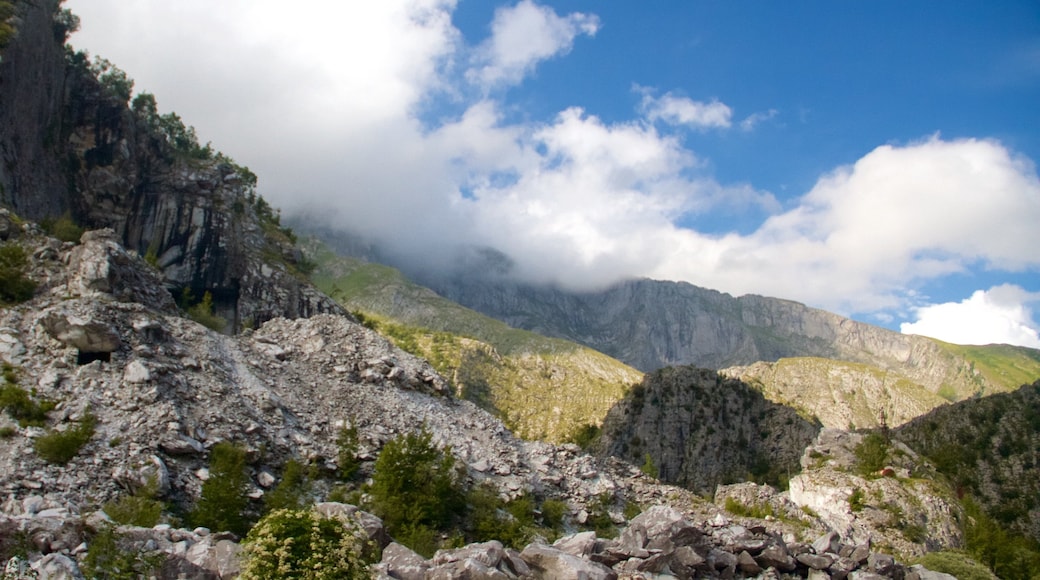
6, 432
649, 468
107, 560
15, 288
223, 500
204, 315
415, 487
63, 228
291, 544
553, 511
957, 564
291, 490
140, 509
490, 518
17, 402
871, 454
346, 458
857, 501
61, 446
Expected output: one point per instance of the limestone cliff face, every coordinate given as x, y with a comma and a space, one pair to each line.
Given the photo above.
700, 429
71, 145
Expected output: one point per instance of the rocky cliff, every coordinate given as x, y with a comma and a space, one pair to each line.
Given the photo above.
73, 146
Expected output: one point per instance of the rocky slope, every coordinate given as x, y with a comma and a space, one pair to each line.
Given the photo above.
102, 338
542, 388
72, 146
840, 394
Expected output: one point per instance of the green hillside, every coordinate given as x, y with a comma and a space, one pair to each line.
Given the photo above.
542, 388
1000, 366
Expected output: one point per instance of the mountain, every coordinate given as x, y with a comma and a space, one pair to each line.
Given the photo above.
989, 448
542, 388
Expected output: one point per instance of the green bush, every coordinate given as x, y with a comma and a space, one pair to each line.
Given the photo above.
649, 468
490, 518
857, 500
139, 509
204, 315
63, 228
61, 446
346, 457
291, 491
17, 402
15, 288
957, 564
1010, 556
415, 487
553, 512
223, 501
871, 454
300, 544
106, 559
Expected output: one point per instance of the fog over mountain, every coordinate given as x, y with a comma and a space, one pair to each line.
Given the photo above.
424, 125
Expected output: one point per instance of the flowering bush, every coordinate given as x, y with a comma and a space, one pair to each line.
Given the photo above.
302, 544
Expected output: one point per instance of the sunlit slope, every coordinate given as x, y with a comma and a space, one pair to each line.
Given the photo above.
845, 394
543, 388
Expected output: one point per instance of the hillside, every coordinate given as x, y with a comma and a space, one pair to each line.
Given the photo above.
989, 448
542, 388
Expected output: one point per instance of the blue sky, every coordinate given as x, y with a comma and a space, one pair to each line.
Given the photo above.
875, 159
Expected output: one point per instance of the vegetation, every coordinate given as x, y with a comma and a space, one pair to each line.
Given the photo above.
202, 312
15, 287
114, 81
19, 403
142, 508
106, 559
7, 28
300, 544
416, 490
857, 500
871, 454
223, 501
292, 491
758, 510
63, 228
346, 458
1010, 556
490, 518
649, 468
61, 446
958, 564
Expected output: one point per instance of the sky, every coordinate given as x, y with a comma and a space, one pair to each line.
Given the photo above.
875, 159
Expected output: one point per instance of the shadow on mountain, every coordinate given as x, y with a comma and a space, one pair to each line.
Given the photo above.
698, 429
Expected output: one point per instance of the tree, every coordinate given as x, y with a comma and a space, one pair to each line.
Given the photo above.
223, 500
303, 544
415, 488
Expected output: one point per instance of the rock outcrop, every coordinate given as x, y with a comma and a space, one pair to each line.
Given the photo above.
72, 146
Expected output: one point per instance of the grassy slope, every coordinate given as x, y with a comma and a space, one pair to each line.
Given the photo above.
543, 388
1004, 367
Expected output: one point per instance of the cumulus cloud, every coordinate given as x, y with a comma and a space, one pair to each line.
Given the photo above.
676, 110
327, 111
521, 37
1000, 315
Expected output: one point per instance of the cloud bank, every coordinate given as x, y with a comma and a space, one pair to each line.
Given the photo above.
330, 103
1000, 315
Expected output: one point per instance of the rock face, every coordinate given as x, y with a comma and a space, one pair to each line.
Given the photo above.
699, 429
904, 506
72, 146
653, 324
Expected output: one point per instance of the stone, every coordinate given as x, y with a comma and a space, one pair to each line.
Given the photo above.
91, 336
829, 542
816, 561
580, 544
136, 373
550, 562
747, 564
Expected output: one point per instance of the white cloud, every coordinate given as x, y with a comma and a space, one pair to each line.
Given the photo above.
753, 120
1000, 315
685, 111
325, 111
521, 37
